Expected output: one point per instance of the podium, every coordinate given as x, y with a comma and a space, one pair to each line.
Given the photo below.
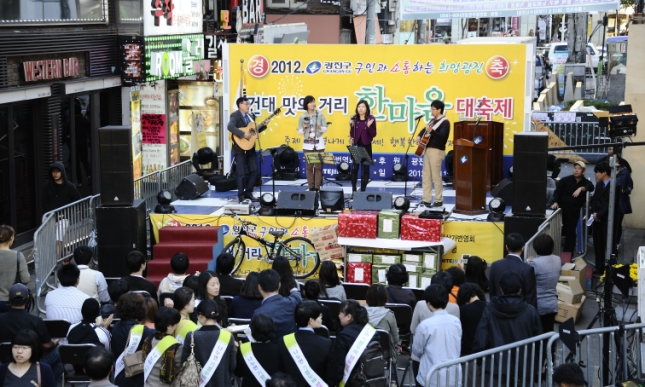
491, 135
470, 178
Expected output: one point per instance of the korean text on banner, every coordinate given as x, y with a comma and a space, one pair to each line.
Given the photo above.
483, 239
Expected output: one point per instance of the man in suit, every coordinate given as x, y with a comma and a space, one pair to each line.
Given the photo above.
245, 161
600, 210
316, 349
280, 309
513, 262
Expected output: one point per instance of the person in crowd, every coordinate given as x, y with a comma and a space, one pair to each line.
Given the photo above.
311, 292
208, 338
472, 302
600, 209
88, 331
281, 380
547, 272
514, 262
261, 352
353, 318
437, 340
132, 312
330, 285
82, 131
507, 318
570, 196
476, 272
208, 287
438, 131
58, 191
381, 317
313, 352
136, 262
287, 280
25, 368
624, 180
249, 298
611, 151
18, 318
362, 130
185, 305
229, 285
98, 365
279, 308
179, 264
116, 289
162, 346
397, 276
311, 125
151, 311
458, 279
92, 282
569, 375
13, 264
192, 282
65, 303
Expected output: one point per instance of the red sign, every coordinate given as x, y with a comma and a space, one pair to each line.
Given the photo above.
515, 25
258, 66
39, 70
497, 67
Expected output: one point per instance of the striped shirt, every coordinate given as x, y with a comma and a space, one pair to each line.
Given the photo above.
65, 303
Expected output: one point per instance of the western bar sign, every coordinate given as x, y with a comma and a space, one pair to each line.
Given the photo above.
41, 70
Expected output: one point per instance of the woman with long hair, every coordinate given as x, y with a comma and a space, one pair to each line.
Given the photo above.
362, 130
184, 302
25, 369
249, 299
13, 264
264, 353
151, 311
311, 125
287, 280
208, 287
330, 286
161, 352
476, 272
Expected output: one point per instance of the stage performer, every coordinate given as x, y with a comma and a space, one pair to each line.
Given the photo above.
311, 125
438, 130
362, 130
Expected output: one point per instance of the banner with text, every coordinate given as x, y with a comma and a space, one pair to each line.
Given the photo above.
483, 239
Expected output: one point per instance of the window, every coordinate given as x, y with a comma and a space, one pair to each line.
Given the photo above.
53, 11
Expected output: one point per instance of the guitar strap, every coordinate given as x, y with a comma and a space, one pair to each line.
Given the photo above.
438, 123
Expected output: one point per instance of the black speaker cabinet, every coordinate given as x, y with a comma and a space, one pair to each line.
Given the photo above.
526, 226
372, 201
529, 173
191, 187
119, 230
297, 203
115, 159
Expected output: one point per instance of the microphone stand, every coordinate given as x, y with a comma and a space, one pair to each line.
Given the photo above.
261, 161
407, 157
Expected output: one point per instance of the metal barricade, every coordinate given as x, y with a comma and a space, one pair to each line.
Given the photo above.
515, 364
146, 188
552, 226
632, 357
171, 177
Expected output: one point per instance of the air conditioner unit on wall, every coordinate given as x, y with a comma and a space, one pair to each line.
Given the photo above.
284, 4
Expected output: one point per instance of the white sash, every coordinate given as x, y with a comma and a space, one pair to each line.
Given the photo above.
156, 353
216, 357
254, 365
136, 333
298, 357
356, 351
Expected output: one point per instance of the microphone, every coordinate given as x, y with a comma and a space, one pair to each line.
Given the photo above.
419, 117
306, 119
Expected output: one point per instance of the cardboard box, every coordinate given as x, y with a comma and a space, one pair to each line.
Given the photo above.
431, 262
385, 259
389, 224
325, 241
378, 274
566, 311
357, 224
414, 280
359, 273
414, 228
353, 257
578, 270
424, 279
569, 290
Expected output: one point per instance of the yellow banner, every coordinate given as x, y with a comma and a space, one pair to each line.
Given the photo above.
137, 136
398, 81
483, 239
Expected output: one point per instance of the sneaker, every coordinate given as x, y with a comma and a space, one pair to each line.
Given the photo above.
426, 204
437, 204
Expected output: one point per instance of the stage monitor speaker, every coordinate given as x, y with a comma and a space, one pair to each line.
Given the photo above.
332, 198
526, 226
504, 190
191, 187
297, 203
372, 201
529, 173
119, 231
117, 172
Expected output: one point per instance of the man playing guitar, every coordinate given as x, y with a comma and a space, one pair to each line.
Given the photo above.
438, 131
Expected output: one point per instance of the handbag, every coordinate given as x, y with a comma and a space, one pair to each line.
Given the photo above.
133, 363
189, 374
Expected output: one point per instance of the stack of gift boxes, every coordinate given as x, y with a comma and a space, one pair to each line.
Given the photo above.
368, 268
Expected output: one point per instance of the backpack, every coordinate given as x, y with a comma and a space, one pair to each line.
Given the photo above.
370, 368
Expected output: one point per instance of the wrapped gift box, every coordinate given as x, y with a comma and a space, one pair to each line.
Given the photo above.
386, 259
378, 274
414, 228
413, 258
353, 257
389, 224
357, 224
413, 268
414, 280
424, 279
430, 262
359, 273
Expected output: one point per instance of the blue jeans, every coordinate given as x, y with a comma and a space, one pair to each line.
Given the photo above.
247, 169
52, 359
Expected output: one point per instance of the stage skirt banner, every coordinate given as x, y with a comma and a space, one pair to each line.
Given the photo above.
483, 239
399, 82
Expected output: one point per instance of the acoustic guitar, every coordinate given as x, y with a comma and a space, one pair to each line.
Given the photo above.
423, 143
249, 143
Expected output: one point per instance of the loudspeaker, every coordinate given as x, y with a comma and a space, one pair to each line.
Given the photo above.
119, 230
372, 201
332, 198
115, 159
297, 203
529, 173
526, 226
191, 187
504, 190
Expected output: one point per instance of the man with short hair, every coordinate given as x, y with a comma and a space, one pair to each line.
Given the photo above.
438, 130
136, 263
569, 375
228, 285
280, 309
92, 282
179, 264
98, 366
513, 262
116, 289
600, 209
66, 302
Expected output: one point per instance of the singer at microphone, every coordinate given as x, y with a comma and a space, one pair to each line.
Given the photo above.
311, 125
362, 130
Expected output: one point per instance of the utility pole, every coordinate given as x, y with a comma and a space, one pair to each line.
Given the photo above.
370, 33
423, 26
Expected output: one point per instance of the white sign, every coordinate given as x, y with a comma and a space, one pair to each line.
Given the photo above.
153, 98
251, 11
172, 17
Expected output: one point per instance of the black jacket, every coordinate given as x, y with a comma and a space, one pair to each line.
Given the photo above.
58, 195
120, 334
564, 190
524, 270
235, 123
344, 340
600, 200
317, 351
470, 316
229, 285
439, 136
267, 355
398, 295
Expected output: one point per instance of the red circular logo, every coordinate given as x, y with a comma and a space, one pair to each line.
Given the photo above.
497, 67
258, 66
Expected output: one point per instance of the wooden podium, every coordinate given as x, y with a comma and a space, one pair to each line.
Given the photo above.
470, 178
491, 135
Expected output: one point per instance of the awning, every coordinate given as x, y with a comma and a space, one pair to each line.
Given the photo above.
25, 94
73, 87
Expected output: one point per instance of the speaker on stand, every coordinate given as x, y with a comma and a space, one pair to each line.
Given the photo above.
529, 173
115, 159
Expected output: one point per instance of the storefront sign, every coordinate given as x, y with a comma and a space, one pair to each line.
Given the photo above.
172, 17
135, 119
252, 11
171, 57
40, 70
153, 127
213, 45
132, 60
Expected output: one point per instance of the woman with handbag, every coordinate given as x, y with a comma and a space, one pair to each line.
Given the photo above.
261, 354
209, 346
208, 288
10, 260
161, 352
25, 369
